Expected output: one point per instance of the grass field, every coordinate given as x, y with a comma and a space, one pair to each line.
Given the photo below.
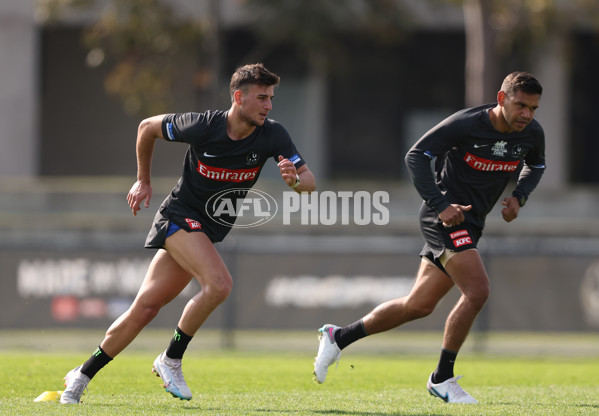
276, 380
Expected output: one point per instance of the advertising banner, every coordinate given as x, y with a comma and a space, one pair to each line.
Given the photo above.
295, 286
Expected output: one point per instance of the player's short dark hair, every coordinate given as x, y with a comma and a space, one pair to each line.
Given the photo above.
521, 81
252, 74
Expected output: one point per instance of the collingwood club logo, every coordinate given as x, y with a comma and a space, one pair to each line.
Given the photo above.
252, 158
241, 207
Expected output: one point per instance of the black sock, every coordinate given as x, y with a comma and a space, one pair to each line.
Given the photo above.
350, 334
178, 344
95, 363
444, 369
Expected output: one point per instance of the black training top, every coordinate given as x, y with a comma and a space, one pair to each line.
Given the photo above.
473, 162
215, 163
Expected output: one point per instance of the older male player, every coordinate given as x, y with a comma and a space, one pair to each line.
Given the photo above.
475, 152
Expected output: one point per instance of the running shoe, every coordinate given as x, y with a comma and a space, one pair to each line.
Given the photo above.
169, 369
449, 391
75, 382
328, 352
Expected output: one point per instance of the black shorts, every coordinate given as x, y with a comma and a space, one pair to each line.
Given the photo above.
437, 237
166, 222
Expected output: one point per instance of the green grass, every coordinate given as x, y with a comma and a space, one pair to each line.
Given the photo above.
250, 382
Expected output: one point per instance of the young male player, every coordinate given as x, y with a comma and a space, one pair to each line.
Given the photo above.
227, 149
475, 153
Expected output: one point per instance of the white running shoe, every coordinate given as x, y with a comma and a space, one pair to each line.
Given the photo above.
449, 391
169, 369
75, 382
328, 352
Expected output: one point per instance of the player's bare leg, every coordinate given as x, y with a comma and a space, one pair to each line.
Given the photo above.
164, 280
194, 253
430, 287
468, 272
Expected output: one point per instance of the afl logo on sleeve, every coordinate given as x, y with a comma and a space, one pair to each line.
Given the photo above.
295, 158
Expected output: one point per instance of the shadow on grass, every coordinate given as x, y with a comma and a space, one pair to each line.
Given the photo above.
117, 409
349, 413
203, 409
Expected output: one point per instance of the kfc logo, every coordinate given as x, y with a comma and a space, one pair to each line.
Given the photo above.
461, 241
193, 224
460, 238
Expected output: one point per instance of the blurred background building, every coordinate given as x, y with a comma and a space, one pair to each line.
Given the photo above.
361, 81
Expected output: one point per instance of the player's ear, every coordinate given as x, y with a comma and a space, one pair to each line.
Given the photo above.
501, 97
237, 96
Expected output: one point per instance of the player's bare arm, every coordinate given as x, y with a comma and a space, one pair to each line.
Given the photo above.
454, 214
289, 173
511, 208
149, 130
